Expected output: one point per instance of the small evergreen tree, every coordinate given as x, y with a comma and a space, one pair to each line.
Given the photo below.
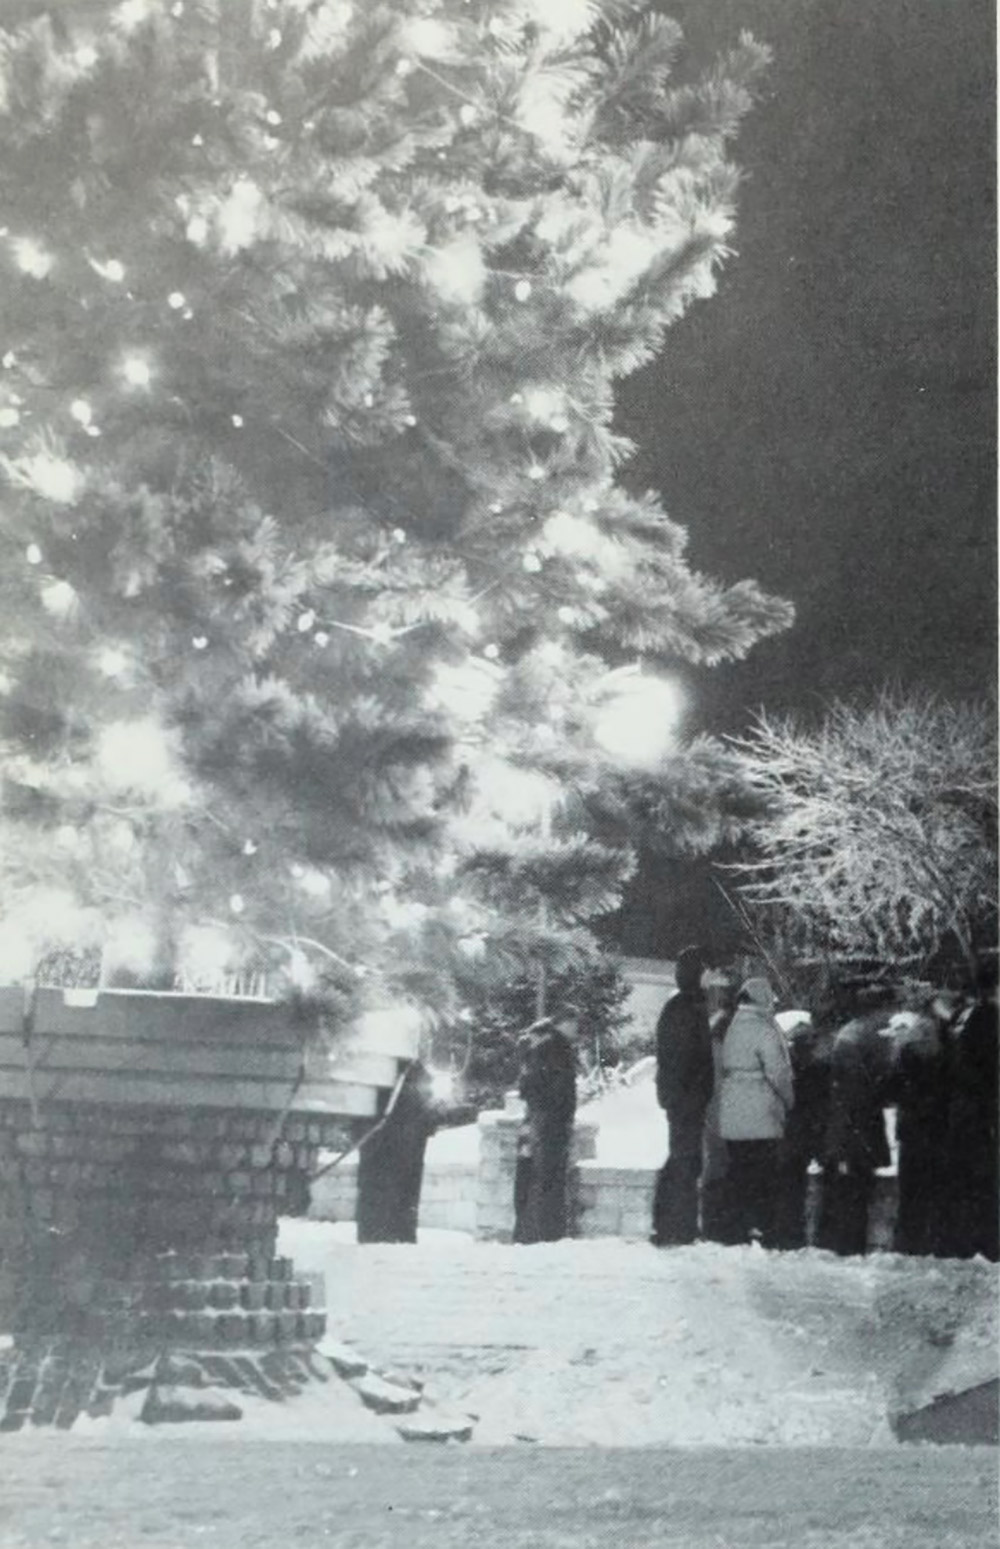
486, 1052
325, 623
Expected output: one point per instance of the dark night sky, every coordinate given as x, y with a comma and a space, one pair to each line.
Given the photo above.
826, 423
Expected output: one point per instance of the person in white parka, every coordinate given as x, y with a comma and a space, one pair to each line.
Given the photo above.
755, 1099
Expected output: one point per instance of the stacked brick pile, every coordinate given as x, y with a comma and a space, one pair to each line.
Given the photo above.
158, 1327
189, 1341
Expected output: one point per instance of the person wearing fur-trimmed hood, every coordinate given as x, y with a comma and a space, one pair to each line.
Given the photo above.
755, 1099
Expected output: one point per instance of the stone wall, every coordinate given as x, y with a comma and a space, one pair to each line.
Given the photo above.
447, 1198
618, 1202
614, 1201
604, 1201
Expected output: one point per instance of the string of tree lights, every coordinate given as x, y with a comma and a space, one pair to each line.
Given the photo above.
329, 638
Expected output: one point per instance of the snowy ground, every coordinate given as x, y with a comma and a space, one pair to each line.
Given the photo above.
270, 1495
602, 1342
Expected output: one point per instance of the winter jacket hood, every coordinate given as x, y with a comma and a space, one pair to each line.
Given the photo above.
759, 993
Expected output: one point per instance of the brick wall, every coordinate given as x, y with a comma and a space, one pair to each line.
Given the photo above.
134, 1122
87, 1191
185, 1322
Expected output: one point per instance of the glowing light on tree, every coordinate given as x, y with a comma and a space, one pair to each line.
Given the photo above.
141, 756
60, 599
48, 474
31, 258
112, 662
130, 945
136, 370
639, 719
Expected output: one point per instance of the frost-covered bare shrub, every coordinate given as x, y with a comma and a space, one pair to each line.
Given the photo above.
879, 837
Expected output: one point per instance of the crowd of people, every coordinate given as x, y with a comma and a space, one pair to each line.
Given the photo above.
756, 1100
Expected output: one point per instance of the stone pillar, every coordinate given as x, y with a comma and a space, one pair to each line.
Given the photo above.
498, 1131
582, 1149
584, 1141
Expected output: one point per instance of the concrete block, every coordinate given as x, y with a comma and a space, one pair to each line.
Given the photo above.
223, 1294
262, 1328
385, 1398
287, 1326
33, 1143
179, 1371
436, 1427
253, 1296
232, 1328
170, 1405
604, 1219
345, 1361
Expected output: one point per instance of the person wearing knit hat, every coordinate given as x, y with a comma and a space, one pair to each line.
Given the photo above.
755, 1099
684, 1081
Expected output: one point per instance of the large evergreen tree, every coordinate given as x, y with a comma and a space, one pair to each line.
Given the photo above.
326, 629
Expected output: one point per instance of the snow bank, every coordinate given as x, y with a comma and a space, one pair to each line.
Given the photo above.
603, 1342
632, 1129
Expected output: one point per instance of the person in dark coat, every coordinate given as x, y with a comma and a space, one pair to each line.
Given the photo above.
856, 1143
684, 1082
973, 1216
548, 1086
522, 1166
391, 1160
809, 1046
920, 1089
